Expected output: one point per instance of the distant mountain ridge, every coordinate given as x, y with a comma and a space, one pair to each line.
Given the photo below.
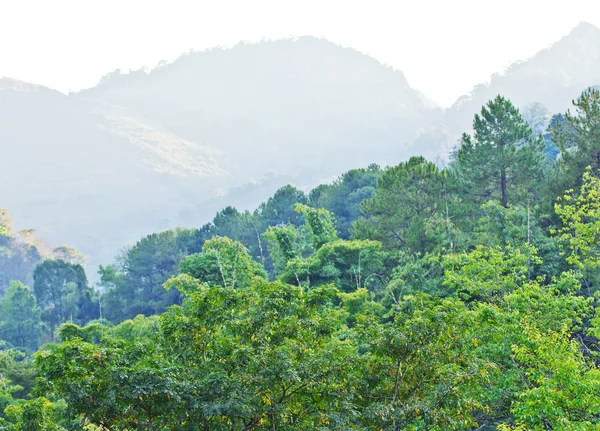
141, 152
553, 77
290, 100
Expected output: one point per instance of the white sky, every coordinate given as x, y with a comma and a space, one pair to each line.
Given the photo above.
444, 47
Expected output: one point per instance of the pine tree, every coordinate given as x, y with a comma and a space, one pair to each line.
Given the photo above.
502, 159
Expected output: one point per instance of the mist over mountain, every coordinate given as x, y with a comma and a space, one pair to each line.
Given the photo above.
89, 176
146, 151
301, 105
553, 78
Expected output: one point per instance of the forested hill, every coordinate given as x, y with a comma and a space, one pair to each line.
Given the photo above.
91, 176
413, 297
142, 152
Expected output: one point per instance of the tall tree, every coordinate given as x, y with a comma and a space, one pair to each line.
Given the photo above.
409, 197
62, 290
223, 262
578, 138
135, 285
502, 159
344, 196
19, 253
20, 317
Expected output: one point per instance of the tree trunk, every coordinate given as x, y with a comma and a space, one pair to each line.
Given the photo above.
503, 186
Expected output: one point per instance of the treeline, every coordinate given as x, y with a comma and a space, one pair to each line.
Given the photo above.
415, 297
59, 293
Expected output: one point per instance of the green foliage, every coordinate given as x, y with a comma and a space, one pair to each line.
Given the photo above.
450, 309
280, 209
349, 265
285, 243
423, 371
223, 263
517, 226
8, 388
415, 274
562, 385
578, 138
344, 196
263, 356
581, 222
20, 317
486, 273
320, 225
19, 254
408, 199
62, 292
135, 285
36, 415
502, 160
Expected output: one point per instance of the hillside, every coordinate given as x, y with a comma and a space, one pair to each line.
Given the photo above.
303, 106
142, 151
92, 176
553, 77
145, 151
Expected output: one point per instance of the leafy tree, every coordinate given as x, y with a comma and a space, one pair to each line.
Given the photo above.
516, 226
19, 254
349, 265
486, 273
35, 415
20, 317
415, 274
261, 357
423, 371
578, 138
224, 263
285, 243
62, 292
580, 230
409, 197
135, 285
502, 160
8, 388
280, 209
495, 286
562, 385
319, 226
244, 227
581, 222
343, 198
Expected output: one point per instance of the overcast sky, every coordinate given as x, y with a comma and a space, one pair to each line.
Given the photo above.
444, 47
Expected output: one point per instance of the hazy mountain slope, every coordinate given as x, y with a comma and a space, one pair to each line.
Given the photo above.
303, 106
553, 77
141, 152
87, 175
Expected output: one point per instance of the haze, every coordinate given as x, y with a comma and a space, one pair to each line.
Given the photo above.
69, 45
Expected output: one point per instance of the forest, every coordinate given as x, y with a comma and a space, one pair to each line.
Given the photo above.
409, 297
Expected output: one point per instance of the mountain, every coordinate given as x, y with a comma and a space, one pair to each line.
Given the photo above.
142, 152
146, 151
90, 175
304, 106
553, 78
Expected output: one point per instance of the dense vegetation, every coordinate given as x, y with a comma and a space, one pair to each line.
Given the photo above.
415, 297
